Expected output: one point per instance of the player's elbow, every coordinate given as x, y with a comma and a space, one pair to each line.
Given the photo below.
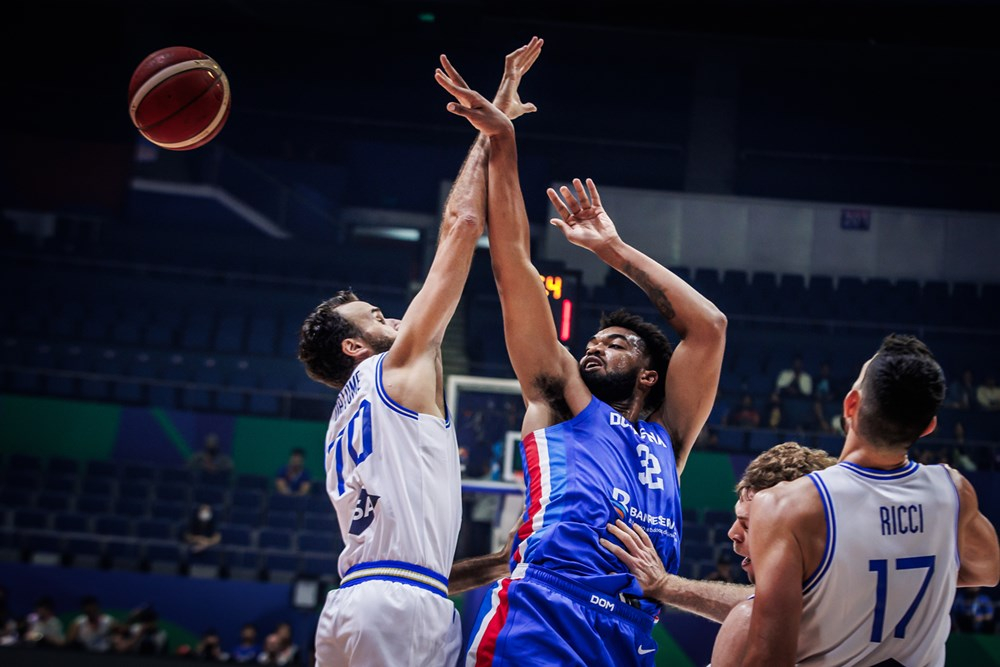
463, 224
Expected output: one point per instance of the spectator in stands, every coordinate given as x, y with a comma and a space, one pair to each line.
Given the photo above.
293, 478
43, 627
143, 634
962, 460
961, 392
211, 458
209, 647
288, 653
272, 650
723, 570
248, 649
825, 387
202, 533
91, 630
10, 633
988, 394
794, 381
775, 418
745, 415
973, 611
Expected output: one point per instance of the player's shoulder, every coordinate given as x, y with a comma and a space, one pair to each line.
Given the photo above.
791, 498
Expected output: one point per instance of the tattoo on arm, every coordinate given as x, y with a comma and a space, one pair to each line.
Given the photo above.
656, 295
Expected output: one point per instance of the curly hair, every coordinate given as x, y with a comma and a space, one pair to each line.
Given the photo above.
320, 338
901, 392
658, 348
781, 463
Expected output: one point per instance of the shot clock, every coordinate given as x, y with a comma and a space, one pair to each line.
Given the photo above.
562, 289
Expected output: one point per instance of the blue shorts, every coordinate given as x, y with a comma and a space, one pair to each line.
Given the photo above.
543, 618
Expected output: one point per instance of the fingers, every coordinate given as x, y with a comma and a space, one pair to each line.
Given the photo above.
594, 196
560, 207
618, 552
643, 536
581, 194
452, 72
627, 536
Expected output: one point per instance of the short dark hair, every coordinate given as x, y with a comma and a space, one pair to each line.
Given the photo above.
298, 451
901, 392
319, 341
658, 348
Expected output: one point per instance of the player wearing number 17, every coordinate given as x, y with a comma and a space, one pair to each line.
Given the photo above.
857, 564
604, 437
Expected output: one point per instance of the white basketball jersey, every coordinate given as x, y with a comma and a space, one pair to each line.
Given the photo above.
393, 476
885, 586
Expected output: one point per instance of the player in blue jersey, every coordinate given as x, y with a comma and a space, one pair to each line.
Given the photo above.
605, 436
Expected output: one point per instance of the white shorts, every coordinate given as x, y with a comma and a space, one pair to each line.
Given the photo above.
378, 623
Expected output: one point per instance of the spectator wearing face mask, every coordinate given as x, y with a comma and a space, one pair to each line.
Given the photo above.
202, 533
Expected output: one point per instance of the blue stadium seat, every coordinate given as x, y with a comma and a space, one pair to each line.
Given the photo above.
282, 520
71, 522
696, 533
320, 522
15, 498
98, 486
281, 567
763, 439
175, 476
209, 495
85, 551
173, 493
30, 519
93, 504
63, 466
234, 535
246, 499
100, 468
251, 481
156, 529
163, 557
696, 551
130, 508
319, 542
122, 554
318, 566
58, 483
169, 511
244, 517
53, 502
113, 525
717, 519
133, 489
281, 503
270, 538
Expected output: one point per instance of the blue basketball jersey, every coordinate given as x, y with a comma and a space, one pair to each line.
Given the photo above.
585, 473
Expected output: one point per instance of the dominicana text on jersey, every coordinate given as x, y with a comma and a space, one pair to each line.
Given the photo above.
587, 472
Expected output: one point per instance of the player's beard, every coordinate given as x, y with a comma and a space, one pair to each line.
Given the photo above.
612, 386
379, 343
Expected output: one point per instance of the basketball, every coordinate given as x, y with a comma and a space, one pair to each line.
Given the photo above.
179, 98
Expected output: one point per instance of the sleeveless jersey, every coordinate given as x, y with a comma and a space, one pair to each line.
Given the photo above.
584, 473
885, 586
393, 476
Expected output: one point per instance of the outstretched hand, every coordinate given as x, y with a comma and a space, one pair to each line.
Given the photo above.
472, 106
582, 219
516, 64
640, 557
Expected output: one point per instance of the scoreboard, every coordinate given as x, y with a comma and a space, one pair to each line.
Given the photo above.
563, 288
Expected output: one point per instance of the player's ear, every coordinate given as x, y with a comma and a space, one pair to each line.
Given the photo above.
852, 404
930, 427
648, 378
354, 347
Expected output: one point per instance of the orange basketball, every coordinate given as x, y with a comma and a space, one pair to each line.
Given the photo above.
179, 98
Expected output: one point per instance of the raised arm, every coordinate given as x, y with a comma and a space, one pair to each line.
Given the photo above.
978, 550
712, 599
693, 374
545, 369
413, 365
